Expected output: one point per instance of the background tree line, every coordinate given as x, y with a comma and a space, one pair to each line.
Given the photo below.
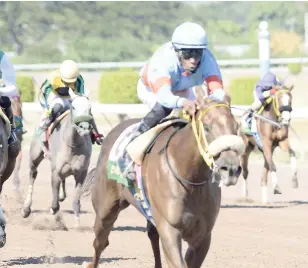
126, 31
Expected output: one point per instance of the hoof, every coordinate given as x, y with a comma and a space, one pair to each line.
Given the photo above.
277, 190
25, 212
53, 211
2, 241
62, 198
86, 265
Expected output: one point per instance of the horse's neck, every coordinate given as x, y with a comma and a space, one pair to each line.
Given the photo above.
185, 153
269, 112
71, 135
281, 133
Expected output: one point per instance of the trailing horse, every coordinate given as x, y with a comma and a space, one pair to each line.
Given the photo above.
267, 137
71, 148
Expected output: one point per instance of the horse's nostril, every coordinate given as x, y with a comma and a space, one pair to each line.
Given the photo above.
238, 171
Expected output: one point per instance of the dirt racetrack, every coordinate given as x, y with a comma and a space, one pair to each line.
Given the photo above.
246, 235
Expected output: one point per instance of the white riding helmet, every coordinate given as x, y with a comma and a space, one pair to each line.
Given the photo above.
69, 71
189, 35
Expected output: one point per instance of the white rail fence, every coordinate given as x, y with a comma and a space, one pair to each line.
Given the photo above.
136, 64
297, 113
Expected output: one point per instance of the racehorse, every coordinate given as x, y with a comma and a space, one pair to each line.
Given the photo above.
277, 108
70, 148
181, 177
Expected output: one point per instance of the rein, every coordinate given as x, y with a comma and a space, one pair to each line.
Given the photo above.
199, 134
274, 100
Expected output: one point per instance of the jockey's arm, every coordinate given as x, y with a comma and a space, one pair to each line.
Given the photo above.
215, 87
9, 78
167, 99
212, 76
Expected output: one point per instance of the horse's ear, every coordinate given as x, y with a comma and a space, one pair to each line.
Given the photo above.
227, 99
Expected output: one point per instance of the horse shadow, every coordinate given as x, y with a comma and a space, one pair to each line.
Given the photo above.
273, 205
58, 260
65, 211
116, 229
130, 228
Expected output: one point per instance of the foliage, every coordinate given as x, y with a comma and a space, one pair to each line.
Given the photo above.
285, 43
241, 89
295, 68
51, 31
119, 87
26, 88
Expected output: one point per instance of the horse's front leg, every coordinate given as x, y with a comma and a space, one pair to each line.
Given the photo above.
172, 246
55, 184
244, 165
16, 179
196, 254
269, 166
285, 146
2, 228
79, 179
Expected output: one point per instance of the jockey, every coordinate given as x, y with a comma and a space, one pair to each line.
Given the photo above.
167, 79
55, 91
263, 89
8, 90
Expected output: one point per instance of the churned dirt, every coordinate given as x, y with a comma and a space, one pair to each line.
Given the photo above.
246, 235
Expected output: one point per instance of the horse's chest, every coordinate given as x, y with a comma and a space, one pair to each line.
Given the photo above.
72, 163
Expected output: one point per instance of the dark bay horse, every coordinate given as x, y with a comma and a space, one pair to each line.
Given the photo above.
184, 195
278, 108
71, 149
8, 156
17, 111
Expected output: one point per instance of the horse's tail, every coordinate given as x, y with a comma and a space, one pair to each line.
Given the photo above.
86, 187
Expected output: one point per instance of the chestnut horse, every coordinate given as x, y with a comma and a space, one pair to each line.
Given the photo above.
181, 182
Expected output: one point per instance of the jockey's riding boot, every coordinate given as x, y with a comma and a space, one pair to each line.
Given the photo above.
246, 121
125, 162
249, 115
96, 136
13, 139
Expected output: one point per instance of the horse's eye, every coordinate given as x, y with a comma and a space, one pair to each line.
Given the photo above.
207, 128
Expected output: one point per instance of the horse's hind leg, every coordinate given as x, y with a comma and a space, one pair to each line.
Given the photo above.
36, 157
106, 214
293, 167
195, 255
62, 194
154, 237
285, 146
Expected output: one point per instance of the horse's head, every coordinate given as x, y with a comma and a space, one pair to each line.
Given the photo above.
81, 113
283, 104
220, 131
2, 229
